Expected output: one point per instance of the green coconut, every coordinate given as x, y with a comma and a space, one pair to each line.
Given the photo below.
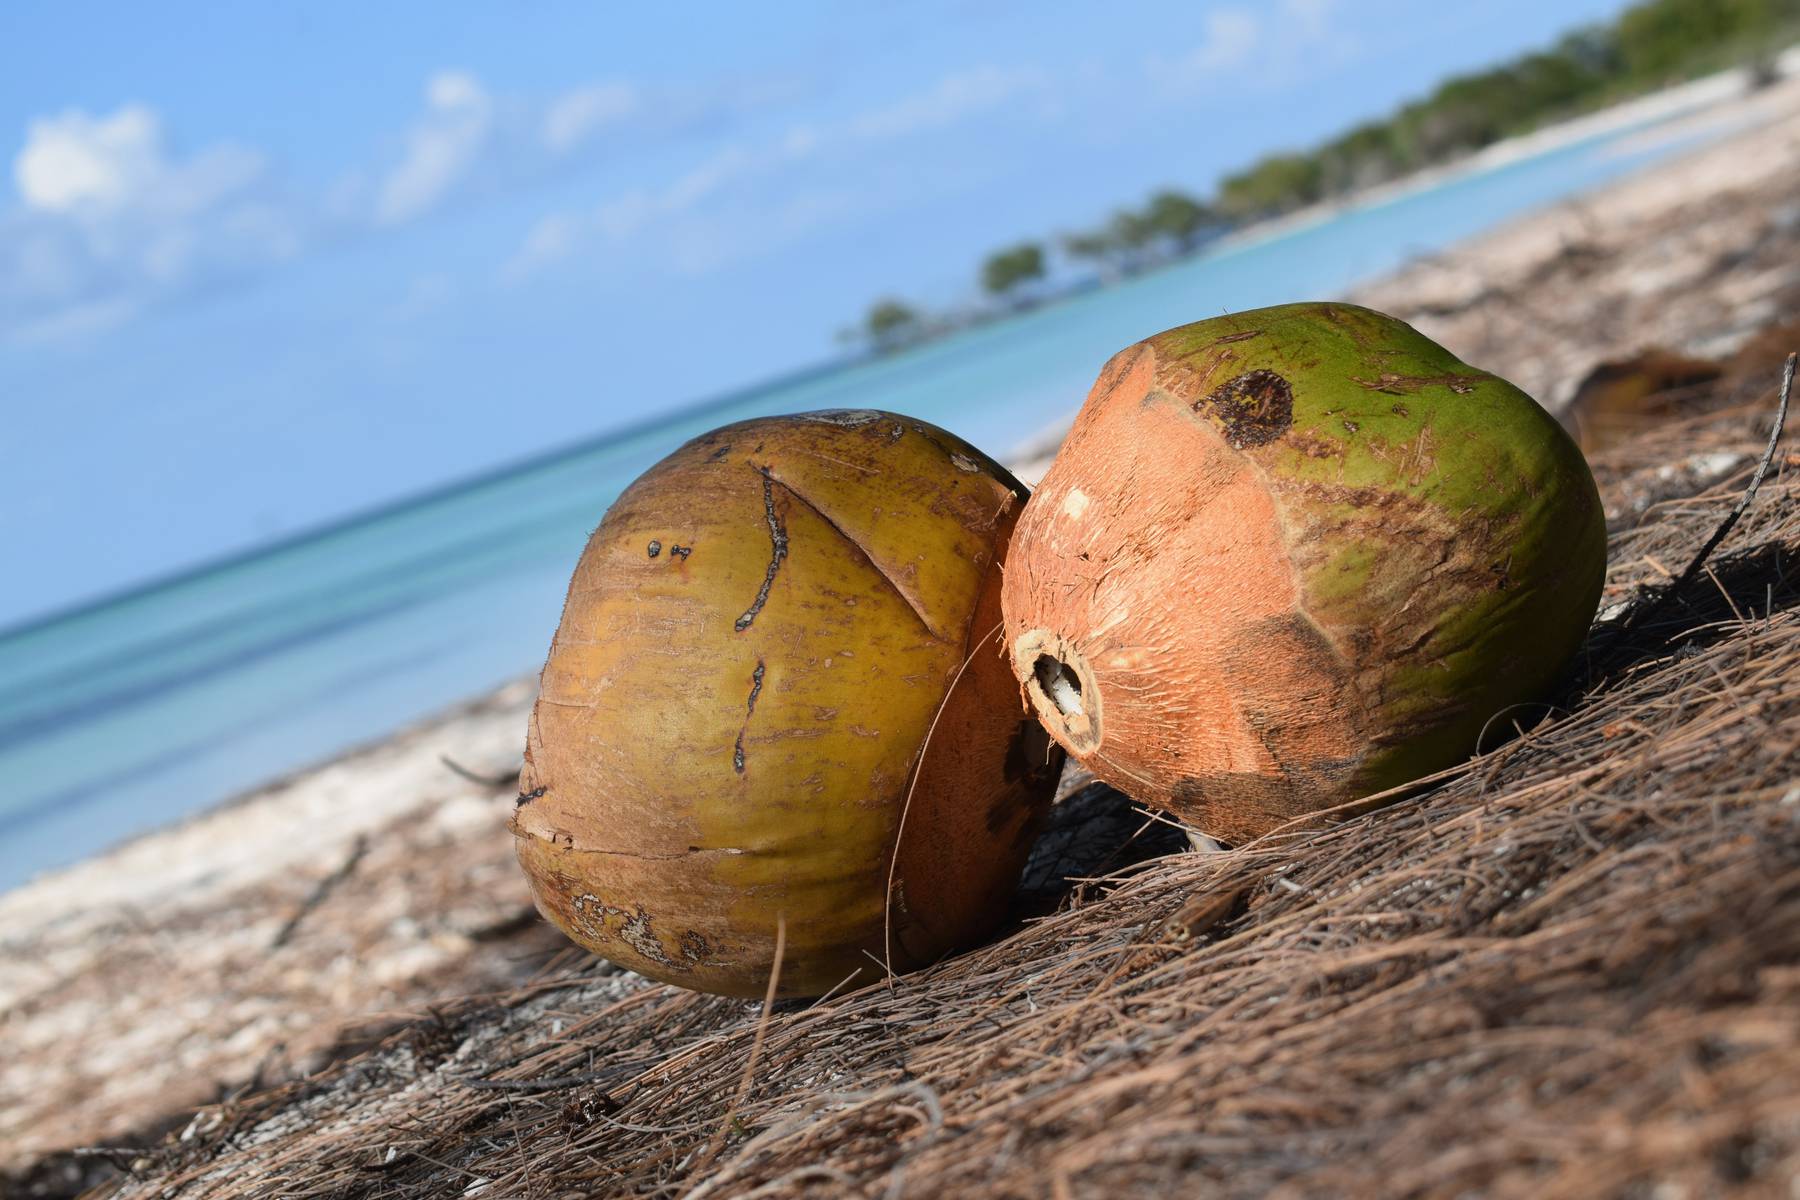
1294, 556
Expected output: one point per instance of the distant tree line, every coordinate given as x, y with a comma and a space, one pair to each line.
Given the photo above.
1650, 45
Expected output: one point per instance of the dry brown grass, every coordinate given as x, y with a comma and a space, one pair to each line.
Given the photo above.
1571, 968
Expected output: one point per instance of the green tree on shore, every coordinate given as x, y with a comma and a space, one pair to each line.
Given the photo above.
1006, 271
1651, 44
1093, 245
1658, 39
1273, 185
1121, 246
1369, 154
1133, 235
1180, 218
892, 323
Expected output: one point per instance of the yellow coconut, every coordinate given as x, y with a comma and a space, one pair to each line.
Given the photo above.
777, 689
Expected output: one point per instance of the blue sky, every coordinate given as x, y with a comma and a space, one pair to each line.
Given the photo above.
265, 265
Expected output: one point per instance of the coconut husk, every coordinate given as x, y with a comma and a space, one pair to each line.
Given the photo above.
1569, 967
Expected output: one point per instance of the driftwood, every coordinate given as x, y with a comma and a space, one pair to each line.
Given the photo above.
1645, 611
495, 780
320, 891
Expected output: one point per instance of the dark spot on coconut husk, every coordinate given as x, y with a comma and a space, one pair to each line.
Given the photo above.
756, 683
843, 418
632, 926
693, 946
527, 797
778, 541
756, 686
655, 548
1255, 408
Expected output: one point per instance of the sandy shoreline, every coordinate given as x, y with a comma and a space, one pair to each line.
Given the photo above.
156, 977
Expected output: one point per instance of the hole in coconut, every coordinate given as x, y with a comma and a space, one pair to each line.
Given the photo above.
1060, 685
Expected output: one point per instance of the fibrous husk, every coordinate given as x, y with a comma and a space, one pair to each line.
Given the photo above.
1568, 970
1294, 556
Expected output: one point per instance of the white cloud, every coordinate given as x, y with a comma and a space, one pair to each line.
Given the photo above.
109, 217
551, 238
1235, 37
1311, 19
1232, 35
573, 117
74, 160
455, 91
711, 176
77, 164
558, 235
698, 248
440, 150
468, 139
266, 224
952, 99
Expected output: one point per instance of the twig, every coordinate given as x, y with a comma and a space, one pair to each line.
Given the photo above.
519, 1145
545, 1083
438, 1162
119, 1156
1762, 469
1699, 560
503, 779
321, 890
756, 1045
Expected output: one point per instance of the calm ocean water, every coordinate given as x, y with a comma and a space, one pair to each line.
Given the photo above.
151, 706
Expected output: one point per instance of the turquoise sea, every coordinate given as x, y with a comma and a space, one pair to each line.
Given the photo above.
132, 713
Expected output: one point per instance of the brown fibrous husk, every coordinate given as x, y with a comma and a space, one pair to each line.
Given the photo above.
1571, 968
